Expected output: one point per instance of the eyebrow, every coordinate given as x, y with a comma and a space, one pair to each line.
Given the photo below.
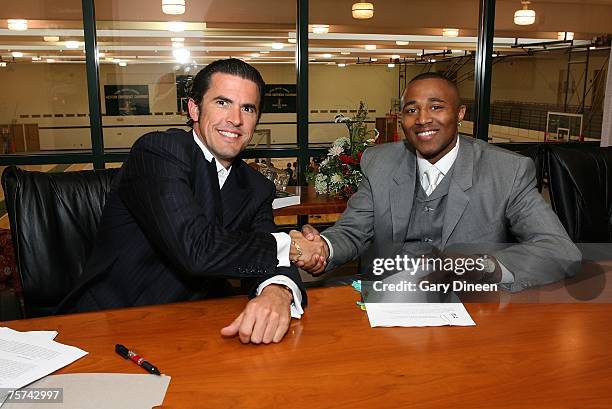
226, 99
433, 99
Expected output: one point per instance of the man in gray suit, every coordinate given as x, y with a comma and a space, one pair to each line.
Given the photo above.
437, 191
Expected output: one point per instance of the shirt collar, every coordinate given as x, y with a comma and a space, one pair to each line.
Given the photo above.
209, 156
443, 164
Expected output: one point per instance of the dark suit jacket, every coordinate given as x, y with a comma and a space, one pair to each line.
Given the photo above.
167, 234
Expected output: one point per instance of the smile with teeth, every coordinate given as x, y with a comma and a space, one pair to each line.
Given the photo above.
427, 133
229, 134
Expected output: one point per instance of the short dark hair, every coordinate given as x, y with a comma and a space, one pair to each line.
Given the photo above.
432, 75
232, 66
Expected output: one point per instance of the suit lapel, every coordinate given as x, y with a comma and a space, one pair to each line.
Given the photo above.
401, 195
461, 181
235, 193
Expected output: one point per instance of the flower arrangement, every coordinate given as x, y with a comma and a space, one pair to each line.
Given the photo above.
339, 174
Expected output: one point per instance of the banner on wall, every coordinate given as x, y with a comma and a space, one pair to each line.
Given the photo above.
279, 98
126, 100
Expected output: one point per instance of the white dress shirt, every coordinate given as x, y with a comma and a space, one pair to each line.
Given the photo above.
283, 242
443, 165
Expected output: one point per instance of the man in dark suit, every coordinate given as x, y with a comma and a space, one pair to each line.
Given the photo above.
186, 213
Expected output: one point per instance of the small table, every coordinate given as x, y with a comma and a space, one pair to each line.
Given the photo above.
311, 203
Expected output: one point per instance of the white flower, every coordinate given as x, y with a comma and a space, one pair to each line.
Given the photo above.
324, 162
341, 119
320, 187
321, 178
341, 141
337, 178
335, 151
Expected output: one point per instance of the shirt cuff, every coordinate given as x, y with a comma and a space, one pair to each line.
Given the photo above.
507, 276
283, 245
296, 305
329, 246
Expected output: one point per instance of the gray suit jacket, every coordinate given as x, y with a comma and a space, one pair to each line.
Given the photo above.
492, 199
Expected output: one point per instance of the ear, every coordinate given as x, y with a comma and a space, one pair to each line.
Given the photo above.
194, 110
461, 113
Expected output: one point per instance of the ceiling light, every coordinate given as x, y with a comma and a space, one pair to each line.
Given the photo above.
17, 24
370, 46
71, 44
456, 51
432, 60
36, 58
17, 54
494, 55
342, 65
362, 10
176, 26
177, 39
395, 56
2, 64
181, 54
450, 32
391, 65
565, 35
122, 63
345, 53
524, 17
50, 60
320, 28
373, 59
402, 42
592, 47
173, 6
177, 44
327, 56
278, 46
292, 40
51, 39
255, 55
264, 52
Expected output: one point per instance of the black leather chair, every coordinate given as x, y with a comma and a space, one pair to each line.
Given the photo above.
580, 183
54, 218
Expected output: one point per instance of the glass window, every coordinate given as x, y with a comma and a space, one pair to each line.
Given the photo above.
148, 59
43, 105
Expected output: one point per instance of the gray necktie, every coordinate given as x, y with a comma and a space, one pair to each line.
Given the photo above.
433, 178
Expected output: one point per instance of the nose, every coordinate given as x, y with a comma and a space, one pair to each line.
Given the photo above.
423, 117
234, 116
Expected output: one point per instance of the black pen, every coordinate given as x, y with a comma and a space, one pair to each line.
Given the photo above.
137, 359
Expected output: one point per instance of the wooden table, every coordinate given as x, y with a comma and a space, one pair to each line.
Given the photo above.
310, 203
518, 356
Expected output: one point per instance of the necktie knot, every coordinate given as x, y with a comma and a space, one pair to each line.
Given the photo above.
433, 175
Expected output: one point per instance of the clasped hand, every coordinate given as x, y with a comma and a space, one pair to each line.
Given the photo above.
308, 250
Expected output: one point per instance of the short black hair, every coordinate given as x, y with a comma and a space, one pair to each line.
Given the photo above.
433, 75
232, 66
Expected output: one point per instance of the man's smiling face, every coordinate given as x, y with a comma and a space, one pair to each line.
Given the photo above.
430, 116
225, 120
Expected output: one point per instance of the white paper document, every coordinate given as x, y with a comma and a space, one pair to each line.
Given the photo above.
417, 314
99, 390
26, 357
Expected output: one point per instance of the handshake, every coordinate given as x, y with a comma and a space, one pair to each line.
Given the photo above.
308, 250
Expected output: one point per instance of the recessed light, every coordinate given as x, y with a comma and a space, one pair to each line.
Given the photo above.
345, 53
17, 24
51, 39
36, 58
327, 56
50, 60
264, 52
342, 65
432, 60
71, 44
592, 47
177, 39
177, 44
320, 28
173, 6
17, 54
450, 32
391, 65
402, 42
292, 40
176, 26
278, 46
373, 59
181, 54
395, 56
370, 46
122, 63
